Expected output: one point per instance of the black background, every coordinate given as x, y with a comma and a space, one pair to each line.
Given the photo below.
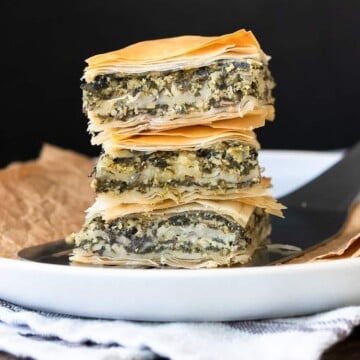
314, 45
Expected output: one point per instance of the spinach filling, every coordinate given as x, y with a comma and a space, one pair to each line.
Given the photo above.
191, 232
120, 96
223, 166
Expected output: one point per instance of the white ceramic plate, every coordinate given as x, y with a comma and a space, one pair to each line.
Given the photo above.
175, 295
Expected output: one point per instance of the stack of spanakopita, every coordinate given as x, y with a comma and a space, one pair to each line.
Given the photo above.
178, 182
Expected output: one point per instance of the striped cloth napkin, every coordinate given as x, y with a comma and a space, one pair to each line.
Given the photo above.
42, 335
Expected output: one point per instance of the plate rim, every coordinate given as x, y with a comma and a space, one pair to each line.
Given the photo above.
250, 270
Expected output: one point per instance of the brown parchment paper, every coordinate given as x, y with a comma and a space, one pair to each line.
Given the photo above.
344, 244
44, 199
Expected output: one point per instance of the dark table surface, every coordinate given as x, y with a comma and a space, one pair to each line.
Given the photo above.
348, 349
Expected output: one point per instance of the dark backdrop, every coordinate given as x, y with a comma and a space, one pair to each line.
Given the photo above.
314, 46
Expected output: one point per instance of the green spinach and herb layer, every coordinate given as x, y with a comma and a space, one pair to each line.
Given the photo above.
223, 167
191, 232
120, 96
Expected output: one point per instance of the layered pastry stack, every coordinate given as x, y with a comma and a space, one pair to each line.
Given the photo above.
178, 183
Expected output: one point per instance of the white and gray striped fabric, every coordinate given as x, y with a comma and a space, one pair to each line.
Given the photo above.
43, 335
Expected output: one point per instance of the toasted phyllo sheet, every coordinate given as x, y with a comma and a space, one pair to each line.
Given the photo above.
258, 195
186, 138
175, 53
188, 237
223, 167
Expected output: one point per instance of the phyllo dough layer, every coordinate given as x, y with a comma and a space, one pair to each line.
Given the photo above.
254, 118
175, 53
183, 238
186, 138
